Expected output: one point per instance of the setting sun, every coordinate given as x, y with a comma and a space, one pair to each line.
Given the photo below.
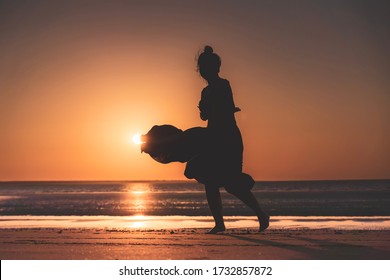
137, 139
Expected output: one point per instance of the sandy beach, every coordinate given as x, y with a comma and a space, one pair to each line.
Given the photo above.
165, 244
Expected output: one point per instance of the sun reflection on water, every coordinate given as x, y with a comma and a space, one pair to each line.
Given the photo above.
138, 195
137, 225
138, 221
138, 192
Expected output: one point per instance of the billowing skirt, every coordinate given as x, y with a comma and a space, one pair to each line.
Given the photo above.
213, 157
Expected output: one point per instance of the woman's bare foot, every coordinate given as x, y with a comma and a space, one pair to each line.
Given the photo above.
216, 229
264, 222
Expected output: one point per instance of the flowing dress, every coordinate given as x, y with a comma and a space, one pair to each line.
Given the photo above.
213, 154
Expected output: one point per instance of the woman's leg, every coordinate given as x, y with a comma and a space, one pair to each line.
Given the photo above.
215, 203
250, 200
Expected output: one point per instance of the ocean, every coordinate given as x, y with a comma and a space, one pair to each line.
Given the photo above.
183, 198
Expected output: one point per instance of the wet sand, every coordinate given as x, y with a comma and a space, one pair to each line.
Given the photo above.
193, 244
194, 222
184, 237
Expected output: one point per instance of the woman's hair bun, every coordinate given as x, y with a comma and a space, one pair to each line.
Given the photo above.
209, 60
208, 49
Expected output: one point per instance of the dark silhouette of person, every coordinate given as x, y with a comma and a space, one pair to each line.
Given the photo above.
213, 154
223, 155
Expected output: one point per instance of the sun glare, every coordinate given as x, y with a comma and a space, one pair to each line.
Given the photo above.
137, 139
138, 192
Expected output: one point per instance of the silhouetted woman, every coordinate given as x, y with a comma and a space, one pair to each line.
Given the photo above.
223, 152
213, 154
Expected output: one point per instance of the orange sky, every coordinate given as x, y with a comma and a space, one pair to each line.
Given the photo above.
79, 78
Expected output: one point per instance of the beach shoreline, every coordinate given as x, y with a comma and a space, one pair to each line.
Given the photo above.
145, 222
168, 220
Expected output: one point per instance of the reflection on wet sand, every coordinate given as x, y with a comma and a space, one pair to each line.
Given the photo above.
144, 222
